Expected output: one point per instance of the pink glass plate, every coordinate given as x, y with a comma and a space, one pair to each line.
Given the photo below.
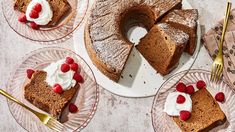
86, 98
52, 35
163, 123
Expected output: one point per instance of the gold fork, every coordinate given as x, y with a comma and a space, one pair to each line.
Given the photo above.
45, 119
218, 64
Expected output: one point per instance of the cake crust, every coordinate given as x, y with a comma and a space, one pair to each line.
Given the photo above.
185, 20
40, 94
204, 105
59, 8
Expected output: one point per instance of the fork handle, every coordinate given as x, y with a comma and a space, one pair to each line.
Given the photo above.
225, 25
15, 100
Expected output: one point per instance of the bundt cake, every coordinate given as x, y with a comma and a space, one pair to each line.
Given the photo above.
185, 20
163, 46
107, 26
206, 113
59, 8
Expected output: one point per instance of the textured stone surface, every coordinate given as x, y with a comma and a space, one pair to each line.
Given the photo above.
114, 114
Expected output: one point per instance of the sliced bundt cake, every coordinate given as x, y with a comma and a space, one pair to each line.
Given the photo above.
163, 46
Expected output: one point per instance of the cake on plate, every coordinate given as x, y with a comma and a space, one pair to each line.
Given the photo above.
106, 30
52, 88
50, 10
185, 20
195, 111
163, 46
206, 113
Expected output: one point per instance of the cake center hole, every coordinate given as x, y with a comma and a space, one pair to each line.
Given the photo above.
136, 22
135, 33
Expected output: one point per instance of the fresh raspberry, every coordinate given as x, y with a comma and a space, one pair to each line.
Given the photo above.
74, 67
69, 60
38, 7
181, 87
190, 89
73, 108
65, 68
180, 99
201, 84
57, 88
29, 72
220, 97
184, 115
34, 14
78, 77
33, 25
22, 18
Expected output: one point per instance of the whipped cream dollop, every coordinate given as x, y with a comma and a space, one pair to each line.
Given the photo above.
45, 16
172, 108
56, 76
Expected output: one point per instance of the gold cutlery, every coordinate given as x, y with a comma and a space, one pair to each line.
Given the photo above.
45, 119
218, 64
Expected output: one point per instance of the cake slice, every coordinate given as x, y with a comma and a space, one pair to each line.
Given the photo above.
162, 47
206, 113
185, 20
40, 94
59, 8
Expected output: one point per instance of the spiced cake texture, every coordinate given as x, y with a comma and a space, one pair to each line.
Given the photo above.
206, 113
106, 30
162, 47
185, 20
40, 94
59, 8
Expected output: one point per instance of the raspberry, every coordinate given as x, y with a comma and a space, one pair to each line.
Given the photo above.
181, 87
69, 60
220, 97
184, 115
34, 14
180, 99
33, 25
201, 84
73, 108
65, 68
38, 7
78, 77
57, 88
22, 18
29, 72
190, 89
74, 67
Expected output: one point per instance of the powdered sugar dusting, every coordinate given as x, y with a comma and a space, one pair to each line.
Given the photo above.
176, 35
185, 17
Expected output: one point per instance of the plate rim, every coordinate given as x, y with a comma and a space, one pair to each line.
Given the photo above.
49, 42
26, 56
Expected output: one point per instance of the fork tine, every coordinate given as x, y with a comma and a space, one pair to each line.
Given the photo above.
52, 127
218, 73
55, 123
218, 66
221, 73
212, 72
